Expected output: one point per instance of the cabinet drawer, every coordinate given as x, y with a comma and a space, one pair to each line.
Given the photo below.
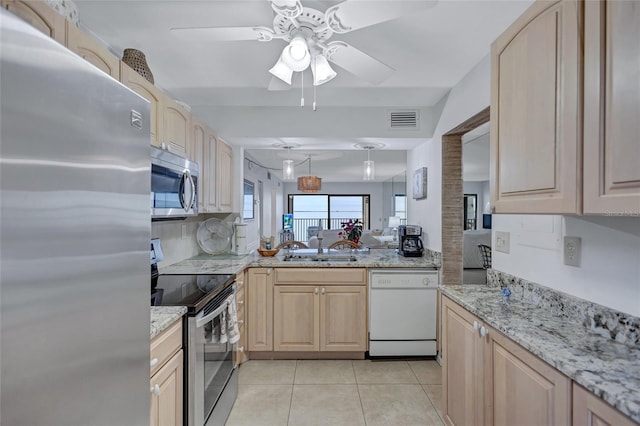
324, 276
165, 345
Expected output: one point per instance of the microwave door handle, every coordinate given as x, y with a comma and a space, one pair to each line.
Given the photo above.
181, 191
193, 189
202, 319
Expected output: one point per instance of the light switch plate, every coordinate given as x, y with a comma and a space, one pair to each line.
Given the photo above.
572, 251
502, 241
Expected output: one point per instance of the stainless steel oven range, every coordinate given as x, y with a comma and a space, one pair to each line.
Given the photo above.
211, 381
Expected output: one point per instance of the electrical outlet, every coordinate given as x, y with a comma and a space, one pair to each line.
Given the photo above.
184, 231
572, 250
502, 241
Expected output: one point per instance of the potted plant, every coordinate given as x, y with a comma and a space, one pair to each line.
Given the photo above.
351, 230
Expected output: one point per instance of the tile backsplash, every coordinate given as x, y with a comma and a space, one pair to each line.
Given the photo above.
175, 245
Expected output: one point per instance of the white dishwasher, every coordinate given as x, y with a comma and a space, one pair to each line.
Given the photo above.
402, 312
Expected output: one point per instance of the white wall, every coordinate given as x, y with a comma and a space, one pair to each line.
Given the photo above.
374, 189
270, 181
466, 99
609, 273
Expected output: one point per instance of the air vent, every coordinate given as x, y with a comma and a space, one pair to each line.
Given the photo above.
406, 119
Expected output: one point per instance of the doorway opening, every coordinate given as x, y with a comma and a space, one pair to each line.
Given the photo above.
453, 207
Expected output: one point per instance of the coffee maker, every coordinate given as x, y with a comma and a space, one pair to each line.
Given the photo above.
410, 244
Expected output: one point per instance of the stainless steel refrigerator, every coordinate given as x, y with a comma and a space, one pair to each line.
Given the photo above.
74, 238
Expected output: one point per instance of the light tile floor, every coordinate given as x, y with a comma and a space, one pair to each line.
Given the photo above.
337, 392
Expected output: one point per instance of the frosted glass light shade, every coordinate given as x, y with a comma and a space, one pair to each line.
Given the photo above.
296, 54
322, 71
309, 184
282, 71
287, 170
369, 170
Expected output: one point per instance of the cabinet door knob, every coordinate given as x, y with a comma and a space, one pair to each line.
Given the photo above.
483, 331
476, 326
240, 322
315, 290
268, 271
240, 302
153, 362
155, 390
322, 290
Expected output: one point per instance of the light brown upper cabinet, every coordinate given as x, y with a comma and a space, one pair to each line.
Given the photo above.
144, 88
535, 111
216, 169
195, 152
224, 176
177, 125
40, 16
92, 51
612, 108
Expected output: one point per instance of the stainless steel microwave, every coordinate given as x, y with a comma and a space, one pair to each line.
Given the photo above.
174, 185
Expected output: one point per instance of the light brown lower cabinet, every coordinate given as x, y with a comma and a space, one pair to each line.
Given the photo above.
166, 393
166, 384
320, 310
589, 410
319, 318
259, 309
490, 380
307, 309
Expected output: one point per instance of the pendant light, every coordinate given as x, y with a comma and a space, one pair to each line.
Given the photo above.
288, 168
369, 165
309, 184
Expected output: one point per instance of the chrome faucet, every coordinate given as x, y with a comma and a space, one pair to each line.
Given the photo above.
319, 237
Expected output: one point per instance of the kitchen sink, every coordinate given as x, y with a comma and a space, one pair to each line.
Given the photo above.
312, 255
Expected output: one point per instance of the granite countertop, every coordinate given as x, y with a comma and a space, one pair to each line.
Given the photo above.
163, 316
609, 369
231, 264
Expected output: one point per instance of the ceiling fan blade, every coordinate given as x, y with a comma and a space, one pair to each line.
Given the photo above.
277, 85
208, 34
352, 15
357, 62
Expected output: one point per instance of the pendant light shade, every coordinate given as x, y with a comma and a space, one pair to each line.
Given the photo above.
288, 170
309, 184
322, 71
369, 171
282, 71
296, 54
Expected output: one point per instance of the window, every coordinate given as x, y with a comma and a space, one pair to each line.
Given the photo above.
400, 207
330, 210
247, 200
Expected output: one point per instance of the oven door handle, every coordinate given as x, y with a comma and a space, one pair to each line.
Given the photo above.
202, 319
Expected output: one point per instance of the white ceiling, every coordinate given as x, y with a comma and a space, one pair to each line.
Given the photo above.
430, 51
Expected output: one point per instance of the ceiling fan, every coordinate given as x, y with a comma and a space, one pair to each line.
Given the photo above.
307, 32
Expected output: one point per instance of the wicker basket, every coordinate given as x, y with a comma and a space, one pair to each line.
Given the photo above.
138, 62
268, 253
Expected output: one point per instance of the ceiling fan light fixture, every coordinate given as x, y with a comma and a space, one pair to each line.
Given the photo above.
282, 71
296, 54
322, 71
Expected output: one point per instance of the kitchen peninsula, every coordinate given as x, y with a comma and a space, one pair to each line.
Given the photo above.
231, 264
